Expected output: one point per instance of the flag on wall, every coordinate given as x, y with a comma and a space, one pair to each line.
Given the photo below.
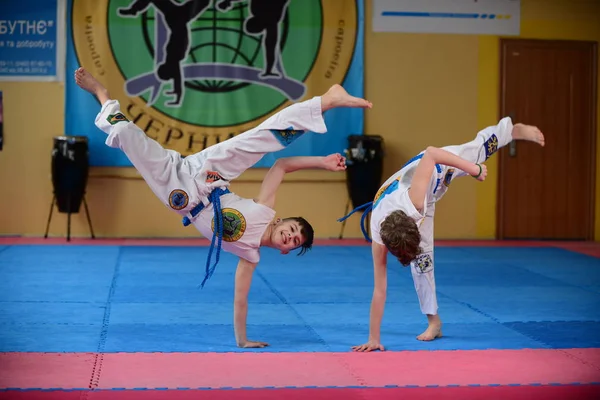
194, 73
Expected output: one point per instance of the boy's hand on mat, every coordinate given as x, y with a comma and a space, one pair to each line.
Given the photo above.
334, 162
369, 346
252, 345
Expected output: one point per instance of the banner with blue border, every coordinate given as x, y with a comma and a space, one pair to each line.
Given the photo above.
194, 73
480, 17
32, 40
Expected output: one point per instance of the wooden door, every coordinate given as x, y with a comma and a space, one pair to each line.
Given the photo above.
548, 193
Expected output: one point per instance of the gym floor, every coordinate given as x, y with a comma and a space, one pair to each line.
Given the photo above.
126, 319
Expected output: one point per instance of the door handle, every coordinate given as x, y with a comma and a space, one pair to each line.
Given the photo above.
512, 147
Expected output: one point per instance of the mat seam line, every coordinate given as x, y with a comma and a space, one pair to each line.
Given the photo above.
564, 284
497, 321
580, 252
581, 360
52, 302
286, 303
8, 246
338, 356
99, 356
544, 343
553, 279
442, 294
407, 386
494, 319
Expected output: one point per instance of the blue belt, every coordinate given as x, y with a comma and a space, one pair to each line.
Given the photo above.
368, 207
215, 198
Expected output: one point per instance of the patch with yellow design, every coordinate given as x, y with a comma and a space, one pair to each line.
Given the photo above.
116, 118
424, 263
234, 225
178, 199
491, 146
286, 136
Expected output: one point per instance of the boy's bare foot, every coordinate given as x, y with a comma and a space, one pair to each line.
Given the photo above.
337, 97
87, 82
529, 133
432, 332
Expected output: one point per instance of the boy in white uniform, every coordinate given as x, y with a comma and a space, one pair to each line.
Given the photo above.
403, 211
196, 186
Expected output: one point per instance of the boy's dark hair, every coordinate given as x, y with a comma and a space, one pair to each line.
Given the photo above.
401, 236
306, 230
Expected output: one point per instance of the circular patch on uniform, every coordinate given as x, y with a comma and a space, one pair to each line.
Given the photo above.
234, 225
424, 263
178, 199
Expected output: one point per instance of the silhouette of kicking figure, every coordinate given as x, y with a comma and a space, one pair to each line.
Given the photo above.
177, 17
265, 16
230, 225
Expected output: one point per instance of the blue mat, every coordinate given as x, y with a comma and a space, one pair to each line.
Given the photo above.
147, 299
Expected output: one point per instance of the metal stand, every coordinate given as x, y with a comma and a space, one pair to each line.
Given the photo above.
87, 213
344, 221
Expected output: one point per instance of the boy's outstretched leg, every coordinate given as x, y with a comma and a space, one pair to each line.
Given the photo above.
337, 97
87, 82
158, 166
308, 115
274, 134
487, 143
493, 138
529, 133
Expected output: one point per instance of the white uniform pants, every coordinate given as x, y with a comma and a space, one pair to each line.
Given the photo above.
487, 142
182, 183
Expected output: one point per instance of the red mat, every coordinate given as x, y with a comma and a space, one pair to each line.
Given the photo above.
46, 370
580, 392
256, 370
587, 356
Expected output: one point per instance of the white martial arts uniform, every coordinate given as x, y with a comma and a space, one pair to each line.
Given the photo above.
393, 196
184, 183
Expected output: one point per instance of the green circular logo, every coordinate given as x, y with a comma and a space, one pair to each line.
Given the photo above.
227, 60
234, 225
191, 73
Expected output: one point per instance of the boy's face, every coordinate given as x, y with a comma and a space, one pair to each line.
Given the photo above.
286, 236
